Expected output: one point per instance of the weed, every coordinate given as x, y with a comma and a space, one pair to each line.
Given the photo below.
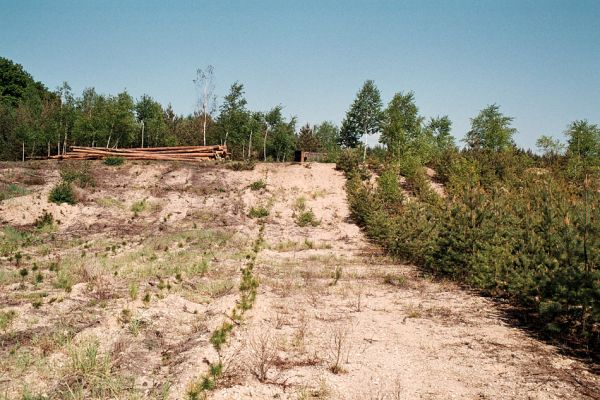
64, 280
62, 193
338, 346
307, 218
114, 161
90, 372
44, 220
6, 319
262, 355
12, 190
337, 274
80, 175
258, 185
134, 289
139, 207
395, 280
300, 204
134, 326
242, 165
258, 212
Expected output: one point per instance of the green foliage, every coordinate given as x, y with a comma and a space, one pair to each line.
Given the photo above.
6, 319
139, 206
307, 218
258, 185
364, 116
62, 193
44, 220
114, 161
258, 212
11, 190
490, 130
504, 228
308, 140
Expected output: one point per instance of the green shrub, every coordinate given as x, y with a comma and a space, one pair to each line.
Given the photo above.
139, 207
114, 161
6, 319
258, 212
307, 218
258, 185
62, 193
44, 220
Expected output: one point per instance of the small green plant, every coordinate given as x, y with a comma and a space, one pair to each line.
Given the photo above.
62, 193
258, 212
258, 185
6, 319
395, 280
114, 161
219, 336
139, 206
337, 274
23, 272
146, 298
44, 220
134, 289
300, 204
64, 280
307, 218
39, 278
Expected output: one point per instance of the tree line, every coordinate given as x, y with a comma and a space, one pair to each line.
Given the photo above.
516, 225
37, 122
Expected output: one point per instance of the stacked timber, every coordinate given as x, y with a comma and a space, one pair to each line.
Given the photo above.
179, 153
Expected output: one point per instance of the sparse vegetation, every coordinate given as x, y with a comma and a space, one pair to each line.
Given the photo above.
11, 190
62, 193
258, 185
307, 218
114, 161
258, 212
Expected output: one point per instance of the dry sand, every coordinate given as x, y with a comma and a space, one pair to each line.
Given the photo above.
380, 330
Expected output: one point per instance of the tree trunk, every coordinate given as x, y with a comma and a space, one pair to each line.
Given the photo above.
250, 145
143, 125
48, 149
23, 151
265, 146
204, 127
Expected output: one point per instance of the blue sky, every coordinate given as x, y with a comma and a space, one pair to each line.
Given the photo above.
539, 60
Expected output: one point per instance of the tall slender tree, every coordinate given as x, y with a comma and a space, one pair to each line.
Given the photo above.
205, 84
363, 118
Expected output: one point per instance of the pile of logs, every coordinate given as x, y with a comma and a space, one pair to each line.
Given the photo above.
179, 153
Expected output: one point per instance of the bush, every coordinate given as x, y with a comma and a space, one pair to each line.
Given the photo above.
114, 161
44, 220
258, 185
258, 212
62, 193
307, 218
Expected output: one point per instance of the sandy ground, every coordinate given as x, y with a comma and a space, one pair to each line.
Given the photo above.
333, 318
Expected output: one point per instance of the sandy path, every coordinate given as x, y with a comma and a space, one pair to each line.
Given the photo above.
385, 331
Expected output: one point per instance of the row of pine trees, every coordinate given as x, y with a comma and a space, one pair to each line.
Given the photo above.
518, 226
